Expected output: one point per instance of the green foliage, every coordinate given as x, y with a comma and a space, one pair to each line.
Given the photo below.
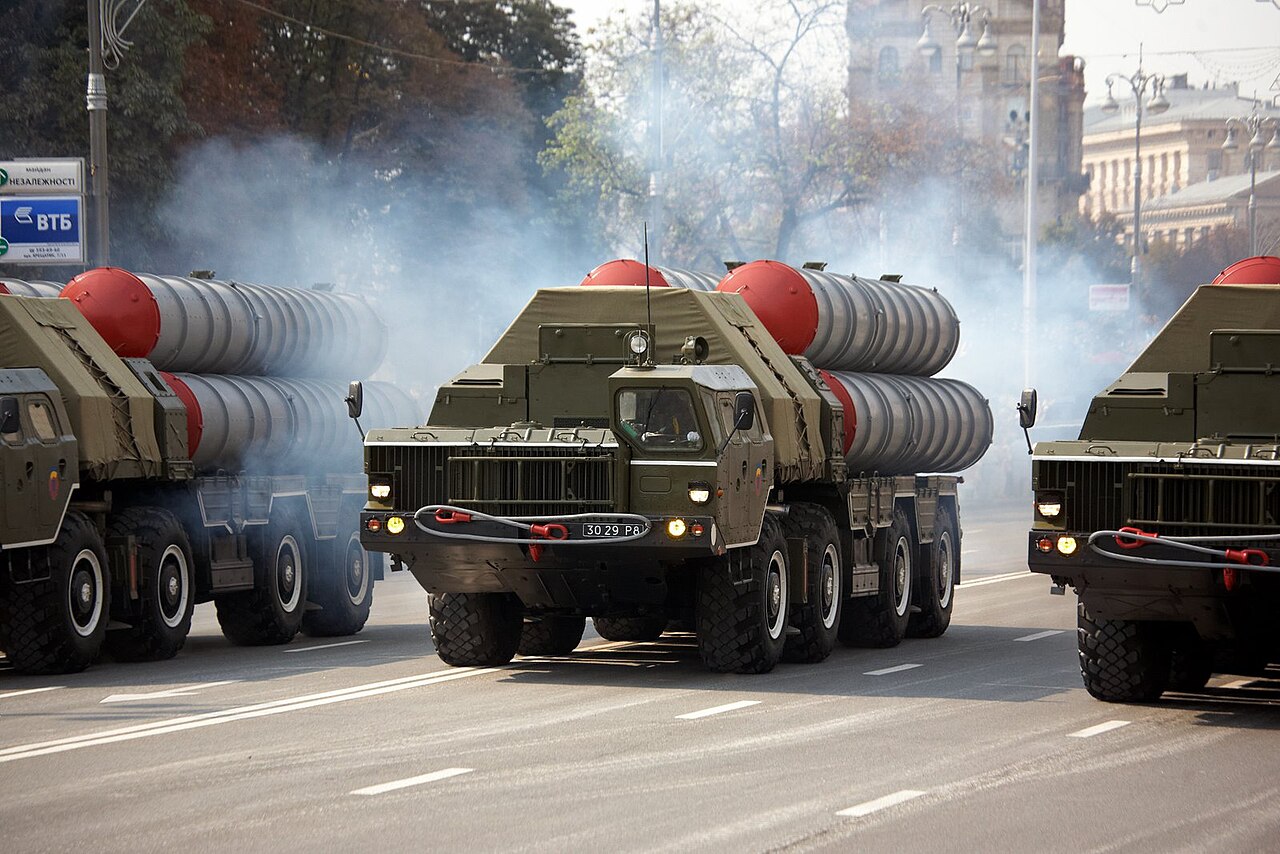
1171, 272
1085, 250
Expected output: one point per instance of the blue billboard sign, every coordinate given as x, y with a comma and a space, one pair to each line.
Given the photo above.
41, 230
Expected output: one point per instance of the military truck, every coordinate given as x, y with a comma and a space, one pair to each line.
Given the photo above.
652, 457
1164, 515
127, 500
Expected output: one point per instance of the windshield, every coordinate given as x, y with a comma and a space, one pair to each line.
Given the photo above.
660, 418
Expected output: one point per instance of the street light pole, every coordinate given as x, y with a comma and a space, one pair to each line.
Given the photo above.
1033, 186
1138, 83
1254, 124
96, 102
656, 152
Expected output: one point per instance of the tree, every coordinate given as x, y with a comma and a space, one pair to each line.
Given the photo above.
43, 111
1171, 272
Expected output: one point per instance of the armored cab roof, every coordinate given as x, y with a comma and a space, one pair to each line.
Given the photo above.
112, 413
734, 335
1182, 346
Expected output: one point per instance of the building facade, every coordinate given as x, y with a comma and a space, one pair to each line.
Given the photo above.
990, 90
1182, 159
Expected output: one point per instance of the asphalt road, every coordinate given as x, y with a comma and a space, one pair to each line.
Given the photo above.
980, 740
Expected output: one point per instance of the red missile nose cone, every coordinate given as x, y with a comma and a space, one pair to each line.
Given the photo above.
120, 307
624, 271
195, 418
1258, 270
850, 414
781, 298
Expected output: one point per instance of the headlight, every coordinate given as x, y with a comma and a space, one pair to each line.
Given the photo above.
379, 490
699, 493
395, 525
676, 528
1066, 546
1049, 505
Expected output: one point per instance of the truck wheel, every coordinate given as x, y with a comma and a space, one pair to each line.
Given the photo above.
57, 625
342, 586
270, 613
881, 620
167, 592
475, 629
552, 634
1190, 659
941, 560
630, 628
1121, 661
742, 623
818, 621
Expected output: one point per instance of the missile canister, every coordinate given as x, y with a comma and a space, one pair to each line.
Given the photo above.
624, 271
901, 424
33, 288
270, 424
847, 323
209, 326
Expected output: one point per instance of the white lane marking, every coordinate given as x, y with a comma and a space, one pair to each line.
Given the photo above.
325, 646
1090, 732
727, 707
30, 691
159, 695
275, 707
1239, 683
995, 579
412, 781
1039, 635
886, 671
882, 803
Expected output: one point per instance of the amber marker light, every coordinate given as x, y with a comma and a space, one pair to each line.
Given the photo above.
373, 525
1045, 545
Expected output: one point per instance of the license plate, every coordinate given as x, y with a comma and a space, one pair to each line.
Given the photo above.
606, 530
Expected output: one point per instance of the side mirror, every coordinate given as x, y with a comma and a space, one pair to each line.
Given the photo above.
744, 410
9, 420
1027, 409
355, 399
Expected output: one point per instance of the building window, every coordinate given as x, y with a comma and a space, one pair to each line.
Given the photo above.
1015, 66
888, 63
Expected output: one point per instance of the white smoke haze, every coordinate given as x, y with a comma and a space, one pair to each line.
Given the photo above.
449, 277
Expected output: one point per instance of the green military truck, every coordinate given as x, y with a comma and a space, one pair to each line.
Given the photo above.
1164, 515
111, 533
640, 461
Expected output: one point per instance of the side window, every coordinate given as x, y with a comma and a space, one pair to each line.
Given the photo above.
10, 421
712, 409
42, 420
724, 408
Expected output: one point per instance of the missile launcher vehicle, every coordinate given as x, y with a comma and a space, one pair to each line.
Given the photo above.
132, 493
1164, 515
646, 455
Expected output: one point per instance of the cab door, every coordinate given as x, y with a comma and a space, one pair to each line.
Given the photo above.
53, 454
739, 513
17, 470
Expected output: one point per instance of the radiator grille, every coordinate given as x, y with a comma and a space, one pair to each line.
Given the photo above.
506, 481
1185, 500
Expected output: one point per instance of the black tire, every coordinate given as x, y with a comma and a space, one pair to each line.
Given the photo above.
58, 625
475, 629
817, 622
881, 620
1122, 661
630, 628
270, 613
166, 589
1190, 659
342, 585
552, 634
742, 627
940, 566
